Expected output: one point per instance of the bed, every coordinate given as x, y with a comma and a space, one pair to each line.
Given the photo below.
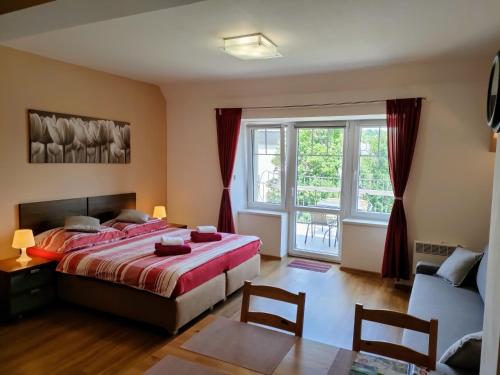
194, 285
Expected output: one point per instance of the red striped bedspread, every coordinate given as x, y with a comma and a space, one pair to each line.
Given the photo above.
132, 262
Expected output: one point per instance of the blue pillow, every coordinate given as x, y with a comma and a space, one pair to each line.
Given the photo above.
481, 275
458, 265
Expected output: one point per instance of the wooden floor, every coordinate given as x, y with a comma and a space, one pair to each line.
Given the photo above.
72, 340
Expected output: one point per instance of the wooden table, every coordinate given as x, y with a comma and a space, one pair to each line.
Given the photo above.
305, 357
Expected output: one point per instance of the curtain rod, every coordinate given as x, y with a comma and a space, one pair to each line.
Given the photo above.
333, 104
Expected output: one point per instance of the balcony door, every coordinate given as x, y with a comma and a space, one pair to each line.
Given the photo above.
316, 198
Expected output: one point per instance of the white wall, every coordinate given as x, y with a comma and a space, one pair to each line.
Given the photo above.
29, 81
239, 182
363, 245
491, 329
449, 191
270, 227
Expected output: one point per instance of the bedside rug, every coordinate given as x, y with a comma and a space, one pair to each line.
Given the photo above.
310, 266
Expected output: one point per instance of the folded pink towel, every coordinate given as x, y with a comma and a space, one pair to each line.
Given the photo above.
168, 250
205, 237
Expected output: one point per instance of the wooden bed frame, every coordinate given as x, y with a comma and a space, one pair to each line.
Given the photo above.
169, 313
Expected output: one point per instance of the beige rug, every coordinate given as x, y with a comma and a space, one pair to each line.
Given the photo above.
342, 363
171, 365
241, 344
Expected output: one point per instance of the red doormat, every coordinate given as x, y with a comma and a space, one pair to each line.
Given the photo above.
308, 265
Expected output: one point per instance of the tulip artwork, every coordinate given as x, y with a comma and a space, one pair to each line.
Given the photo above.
63, 138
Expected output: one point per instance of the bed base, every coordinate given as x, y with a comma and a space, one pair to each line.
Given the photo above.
235, 278
168, 313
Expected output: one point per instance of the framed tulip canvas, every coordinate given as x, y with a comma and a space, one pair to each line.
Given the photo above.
62, 138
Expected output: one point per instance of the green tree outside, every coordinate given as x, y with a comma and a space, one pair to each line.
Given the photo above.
319, 169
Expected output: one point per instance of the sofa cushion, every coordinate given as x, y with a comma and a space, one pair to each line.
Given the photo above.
443, 369
481, 275
459, 312
465, 353
427, 268
458, 265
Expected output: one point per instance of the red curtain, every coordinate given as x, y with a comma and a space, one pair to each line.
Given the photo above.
403, 116
228, 130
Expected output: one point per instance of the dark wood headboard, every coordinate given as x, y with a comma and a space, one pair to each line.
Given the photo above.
107, 207
42, 216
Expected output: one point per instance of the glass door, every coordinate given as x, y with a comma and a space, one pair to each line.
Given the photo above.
316, 199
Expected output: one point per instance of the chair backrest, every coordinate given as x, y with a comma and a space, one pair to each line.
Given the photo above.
271, 320
318, 218
386, 349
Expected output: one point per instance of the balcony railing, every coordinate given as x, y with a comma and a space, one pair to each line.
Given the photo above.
321, 186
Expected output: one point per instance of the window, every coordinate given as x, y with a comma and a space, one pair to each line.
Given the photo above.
267, 170
373, 189
320, 156
339, 167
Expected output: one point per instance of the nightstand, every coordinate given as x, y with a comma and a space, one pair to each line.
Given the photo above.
182, 226
25, 288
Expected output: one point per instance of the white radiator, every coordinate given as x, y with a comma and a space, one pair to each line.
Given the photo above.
431, 252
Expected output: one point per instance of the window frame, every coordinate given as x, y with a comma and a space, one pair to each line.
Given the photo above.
356, 145
345, 166
251, 203
352, 143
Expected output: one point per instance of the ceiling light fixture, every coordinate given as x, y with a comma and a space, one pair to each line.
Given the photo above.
251, 47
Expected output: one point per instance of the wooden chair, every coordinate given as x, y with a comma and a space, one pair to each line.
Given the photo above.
271, 320
323, 220
393, 318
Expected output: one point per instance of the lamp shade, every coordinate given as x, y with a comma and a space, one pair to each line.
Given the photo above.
159, 212
23, 238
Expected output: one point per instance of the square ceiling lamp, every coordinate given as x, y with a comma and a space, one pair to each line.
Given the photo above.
251, 47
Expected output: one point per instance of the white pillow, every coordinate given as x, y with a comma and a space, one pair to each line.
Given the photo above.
132, 216
465, 353
86, 224
456, 268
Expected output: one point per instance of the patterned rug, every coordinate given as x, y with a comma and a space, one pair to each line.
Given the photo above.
310, 266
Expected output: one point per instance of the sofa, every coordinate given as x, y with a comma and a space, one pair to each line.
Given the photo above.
459, 310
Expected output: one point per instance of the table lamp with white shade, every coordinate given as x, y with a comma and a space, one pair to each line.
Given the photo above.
160, 212
23, 238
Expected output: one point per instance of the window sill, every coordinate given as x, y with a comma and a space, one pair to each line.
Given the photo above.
252, 211
366, 222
